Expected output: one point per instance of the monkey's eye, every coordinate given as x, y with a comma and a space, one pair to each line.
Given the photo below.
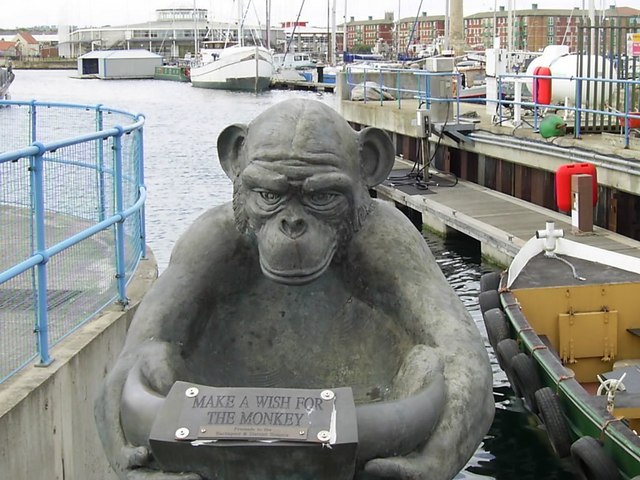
322, 199
269, 196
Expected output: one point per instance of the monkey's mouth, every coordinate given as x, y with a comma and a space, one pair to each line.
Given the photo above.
297, 276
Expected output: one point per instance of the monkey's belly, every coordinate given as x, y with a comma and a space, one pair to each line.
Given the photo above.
303, 340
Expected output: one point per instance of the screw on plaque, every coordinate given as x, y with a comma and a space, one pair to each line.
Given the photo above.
191, 392
327, 395
324, 435
182, 433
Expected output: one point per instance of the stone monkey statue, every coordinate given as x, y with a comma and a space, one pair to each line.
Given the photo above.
305, 281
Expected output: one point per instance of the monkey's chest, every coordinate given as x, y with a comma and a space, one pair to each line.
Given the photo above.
299, 338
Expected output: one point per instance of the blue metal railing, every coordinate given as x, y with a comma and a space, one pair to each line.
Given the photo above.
399, 82
72, 214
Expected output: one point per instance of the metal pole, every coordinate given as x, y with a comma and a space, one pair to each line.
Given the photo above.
344, 31
268, 20
140, 183
195, 29
42, 321
446, 27
100, 155
334, 46
119, 204
257, 69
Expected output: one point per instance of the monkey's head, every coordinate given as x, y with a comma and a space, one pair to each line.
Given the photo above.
301, 176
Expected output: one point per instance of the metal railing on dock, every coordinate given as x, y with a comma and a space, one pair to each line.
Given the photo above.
382, 84
72, 203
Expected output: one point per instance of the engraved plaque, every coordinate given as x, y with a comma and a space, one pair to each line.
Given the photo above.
244, 432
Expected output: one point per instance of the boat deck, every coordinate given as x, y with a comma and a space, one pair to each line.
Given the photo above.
543, 272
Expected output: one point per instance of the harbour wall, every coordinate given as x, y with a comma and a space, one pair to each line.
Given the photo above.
47, 427
515, 161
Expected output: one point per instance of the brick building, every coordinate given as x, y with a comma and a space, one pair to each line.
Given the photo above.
369, 32
415, 34
534, 28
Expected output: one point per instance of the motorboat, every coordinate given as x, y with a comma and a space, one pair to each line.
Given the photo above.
234, 67
6, 79
563, 321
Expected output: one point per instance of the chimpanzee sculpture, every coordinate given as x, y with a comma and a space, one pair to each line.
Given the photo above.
305, 281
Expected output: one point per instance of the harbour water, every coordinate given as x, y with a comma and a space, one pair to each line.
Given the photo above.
184, 179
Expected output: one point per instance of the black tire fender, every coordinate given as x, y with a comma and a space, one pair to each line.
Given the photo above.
496, 325
488, 300
554, 422
489, 281
505, 351
592, 462
526, 378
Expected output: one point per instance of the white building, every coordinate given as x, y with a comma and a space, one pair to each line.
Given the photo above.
119, 64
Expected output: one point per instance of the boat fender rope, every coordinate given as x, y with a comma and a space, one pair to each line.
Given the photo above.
605, 425
573, 268
565, 377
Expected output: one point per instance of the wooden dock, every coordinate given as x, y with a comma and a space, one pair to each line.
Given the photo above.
500, 222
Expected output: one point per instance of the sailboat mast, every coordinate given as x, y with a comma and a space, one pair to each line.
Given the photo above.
195, 29
333, 33
268, 20
240, 20
344, 31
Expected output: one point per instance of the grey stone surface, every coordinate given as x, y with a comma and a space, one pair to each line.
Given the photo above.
306, 282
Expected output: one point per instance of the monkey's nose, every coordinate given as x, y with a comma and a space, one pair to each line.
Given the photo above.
293, 228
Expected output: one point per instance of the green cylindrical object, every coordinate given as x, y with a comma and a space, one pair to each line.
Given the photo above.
552, 126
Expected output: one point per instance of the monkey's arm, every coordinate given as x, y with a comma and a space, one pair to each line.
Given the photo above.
167, 319
407, 275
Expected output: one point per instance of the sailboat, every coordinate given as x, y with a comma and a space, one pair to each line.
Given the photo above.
233, 67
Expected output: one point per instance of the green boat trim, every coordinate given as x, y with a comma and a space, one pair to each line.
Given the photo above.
551, 305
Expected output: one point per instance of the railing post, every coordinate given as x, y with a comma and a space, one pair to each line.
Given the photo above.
32, 116
42, 322
626, 119
459, 80
100, 154
140, 183
500, 99
119, 202
364, 88
380, 83
399, 94
578, 106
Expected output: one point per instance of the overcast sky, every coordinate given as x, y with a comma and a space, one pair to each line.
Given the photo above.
25, 13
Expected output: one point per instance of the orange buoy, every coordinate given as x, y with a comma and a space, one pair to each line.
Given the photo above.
563, 183
542, 86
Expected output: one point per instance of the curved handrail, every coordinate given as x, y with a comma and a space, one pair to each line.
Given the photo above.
116, 194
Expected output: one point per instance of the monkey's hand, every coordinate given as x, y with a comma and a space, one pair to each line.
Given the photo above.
402, 425
445, 447
158, 366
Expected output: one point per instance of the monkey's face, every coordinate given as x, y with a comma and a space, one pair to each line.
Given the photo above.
300, 214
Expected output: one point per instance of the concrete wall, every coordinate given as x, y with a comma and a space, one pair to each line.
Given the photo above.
47, 430
128, 67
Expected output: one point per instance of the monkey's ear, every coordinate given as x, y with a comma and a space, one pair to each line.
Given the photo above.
230, 143
377, 155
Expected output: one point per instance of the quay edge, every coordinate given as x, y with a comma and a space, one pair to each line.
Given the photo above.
47, 427
515, 165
